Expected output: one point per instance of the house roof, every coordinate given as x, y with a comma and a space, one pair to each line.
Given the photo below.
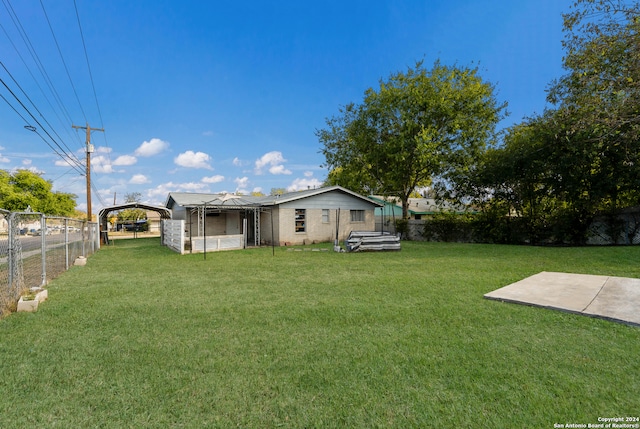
187, 199
295, 196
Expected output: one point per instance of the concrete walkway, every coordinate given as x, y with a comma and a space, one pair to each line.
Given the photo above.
611, 298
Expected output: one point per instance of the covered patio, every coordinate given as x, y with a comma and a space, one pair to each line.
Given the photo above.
218, 221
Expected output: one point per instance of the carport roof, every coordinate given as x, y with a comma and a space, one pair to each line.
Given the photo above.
187, 199
163, 211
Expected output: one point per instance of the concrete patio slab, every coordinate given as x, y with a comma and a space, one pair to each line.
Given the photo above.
612, 298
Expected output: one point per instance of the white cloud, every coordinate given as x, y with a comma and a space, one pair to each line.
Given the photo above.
279, 169
160, 192
241, 184
213, 179
303, 184
237, 162
102, 149
64, 163
24, 161
191, 159
100, 164
151, 147
273, 159
308, 173
207, 133
139, 179
125, 160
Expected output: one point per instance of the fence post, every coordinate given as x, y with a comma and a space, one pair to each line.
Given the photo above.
43, 249
66, 244
10, 251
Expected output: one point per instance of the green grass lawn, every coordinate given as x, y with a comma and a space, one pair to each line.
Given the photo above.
144, 337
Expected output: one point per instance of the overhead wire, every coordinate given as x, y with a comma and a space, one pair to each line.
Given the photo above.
25, 38
93, 86
60, 149
31, 128
70, 155
64, 63
96, 192
55, 111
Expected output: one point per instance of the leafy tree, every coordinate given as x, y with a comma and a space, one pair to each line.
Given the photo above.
278, 191
601, 89
597, 122
135, 213
23, 188
599, 98
132, 214
558, 170
544, 177
418, 126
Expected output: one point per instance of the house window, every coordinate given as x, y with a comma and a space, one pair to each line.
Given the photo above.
301, 217
325, 215
357, 215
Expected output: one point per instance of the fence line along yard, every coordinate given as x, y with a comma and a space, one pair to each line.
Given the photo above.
35, 248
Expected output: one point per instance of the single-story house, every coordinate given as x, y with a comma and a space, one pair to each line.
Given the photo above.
418, 207
294, 218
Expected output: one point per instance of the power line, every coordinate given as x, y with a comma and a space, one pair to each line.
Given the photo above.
95, 95
57, 147
38, 110
86, 56
55, 39
66, 156
97, 193
15, 48
35, 57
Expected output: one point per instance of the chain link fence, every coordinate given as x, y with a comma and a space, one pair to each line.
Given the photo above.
35, 248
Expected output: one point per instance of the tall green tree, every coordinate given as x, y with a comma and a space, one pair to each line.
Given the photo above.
557, 171
598, 107
417, 127
545, 176
22, 189
601, 88
598, 99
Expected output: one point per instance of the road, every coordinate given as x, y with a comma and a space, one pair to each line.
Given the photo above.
34, 242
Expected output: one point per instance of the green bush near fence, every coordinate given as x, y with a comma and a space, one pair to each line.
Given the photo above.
143, 337
493, 225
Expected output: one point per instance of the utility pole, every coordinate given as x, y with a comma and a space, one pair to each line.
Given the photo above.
89, 151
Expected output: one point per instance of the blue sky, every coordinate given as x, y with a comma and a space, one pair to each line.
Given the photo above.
213, 96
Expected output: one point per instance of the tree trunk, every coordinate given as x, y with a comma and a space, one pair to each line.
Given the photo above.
405, 207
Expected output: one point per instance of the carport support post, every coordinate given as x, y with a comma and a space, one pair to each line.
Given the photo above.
204, 232
273, 239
